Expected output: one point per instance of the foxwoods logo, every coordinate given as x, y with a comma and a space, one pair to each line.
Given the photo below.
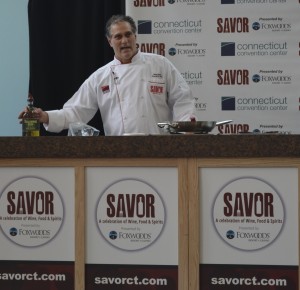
246, 2
187, 2
113, 235
32, 233
199, 106
250, 236
231, 103
254, 49
274, 77
184, 26
254, 236
190, 52
273, 24
13, 232
230, 235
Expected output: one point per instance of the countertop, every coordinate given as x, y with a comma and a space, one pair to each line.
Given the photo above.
152, 146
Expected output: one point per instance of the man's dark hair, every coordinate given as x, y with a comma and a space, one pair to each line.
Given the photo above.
119, 18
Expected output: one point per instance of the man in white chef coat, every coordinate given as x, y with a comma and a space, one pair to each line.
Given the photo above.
133, 92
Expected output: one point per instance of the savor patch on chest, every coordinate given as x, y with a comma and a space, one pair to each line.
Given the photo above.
156, 89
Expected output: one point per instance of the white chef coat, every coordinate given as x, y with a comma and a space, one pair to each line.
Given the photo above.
132, 97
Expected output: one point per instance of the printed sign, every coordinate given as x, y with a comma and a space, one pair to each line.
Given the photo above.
130, 214
31, 211
248, 213
239, 57
37, 228
131, 228
248, 228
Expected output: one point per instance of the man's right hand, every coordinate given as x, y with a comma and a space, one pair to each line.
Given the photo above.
42, 115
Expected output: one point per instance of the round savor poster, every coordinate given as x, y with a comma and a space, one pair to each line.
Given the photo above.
248, 219
31, 211
249, 216
130, 214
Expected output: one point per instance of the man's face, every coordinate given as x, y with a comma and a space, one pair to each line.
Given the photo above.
123, 41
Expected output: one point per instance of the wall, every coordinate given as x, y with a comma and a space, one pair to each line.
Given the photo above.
14, 64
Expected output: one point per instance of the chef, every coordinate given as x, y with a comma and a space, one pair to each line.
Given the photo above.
133, 92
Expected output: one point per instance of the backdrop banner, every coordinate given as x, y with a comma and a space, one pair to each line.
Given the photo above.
240, 57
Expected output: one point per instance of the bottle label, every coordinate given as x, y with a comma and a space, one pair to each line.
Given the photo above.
31, 127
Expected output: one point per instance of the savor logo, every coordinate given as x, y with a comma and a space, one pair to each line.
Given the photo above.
36, 211
136, 211
248, 213
149, 3
233, 25
233, 77
153, 47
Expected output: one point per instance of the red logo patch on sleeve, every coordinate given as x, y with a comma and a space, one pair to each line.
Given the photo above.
105, 89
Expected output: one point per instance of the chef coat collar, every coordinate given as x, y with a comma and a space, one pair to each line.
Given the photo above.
134, 59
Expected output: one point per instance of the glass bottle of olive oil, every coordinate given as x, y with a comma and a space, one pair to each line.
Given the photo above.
30, 122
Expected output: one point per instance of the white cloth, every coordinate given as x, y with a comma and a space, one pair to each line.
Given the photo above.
132, 98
